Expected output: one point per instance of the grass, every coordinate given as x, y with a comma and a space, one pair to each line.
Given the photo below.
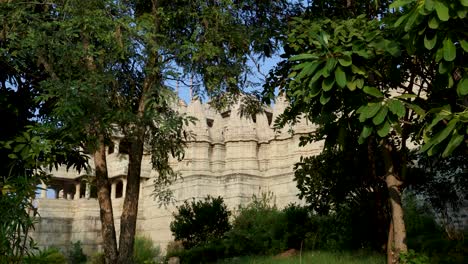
319, 257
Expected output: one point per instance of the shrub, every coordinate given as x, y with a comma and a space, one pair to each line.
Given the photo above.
76, 255
204, 253
199, 222
97, 258
144, 251
47, 256
412, 257
297, 225
257, 229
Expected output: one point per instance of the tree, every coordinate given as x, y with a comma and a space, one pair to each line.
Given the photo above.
107, 65
378, 73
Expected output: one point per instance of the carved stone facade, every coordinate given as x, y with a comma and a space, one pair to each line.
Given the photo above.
229, 156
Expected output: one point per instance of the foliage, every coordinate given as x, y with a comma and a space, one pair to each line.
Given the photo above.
427, 237
412, 257
17, 217
211, 251
75, 254
97, 258
107, 65
316, 256
199, 222
145, 252
257, 229
28, 157
398, 78
47, 256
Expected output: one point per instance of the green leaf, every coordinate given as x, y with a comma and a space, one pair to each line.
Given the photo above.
328, 83
369, 111
380, 116
329, 67
384, 129
453, 143
324, 99
400, 3
442, 11
308, 69
429, 5
303, 56
351, 85
365, 133
462, 13
345, 60
397, 107
439, 54
439, 137
464, 2
464, 44
357, 70
417, 109
373, 91
359, 83
462, 87
430, 43
450, 51
444, 67
314, 89
340, 77
433, 22
393, 48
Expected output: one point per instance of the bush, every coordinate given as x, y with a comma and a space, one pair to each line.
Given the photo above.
298, 224
257, 229
199, 222
97, 258
145, 252
205, 253
47, 256
76, 255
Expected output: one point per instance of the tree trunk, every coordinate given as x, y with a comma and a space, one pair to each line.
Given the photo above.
390, 243
398, 223
397, 227
105, 203
130, 207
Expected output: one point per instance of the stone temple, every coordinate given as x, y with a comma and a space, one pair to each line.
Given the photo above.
230, 156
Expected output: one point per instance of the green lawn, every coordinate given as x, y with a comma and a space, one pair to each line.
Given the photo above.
319, 257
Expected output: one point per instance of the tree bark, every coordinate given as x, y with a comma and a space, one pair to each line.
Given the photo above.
399, 230
105, 203
397, 227
390, 243
130, 207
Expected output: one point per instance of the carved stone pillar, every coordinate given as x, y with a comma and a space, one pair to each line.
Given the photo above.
77, 191
113, 190
124, 189
44, 190
88, 191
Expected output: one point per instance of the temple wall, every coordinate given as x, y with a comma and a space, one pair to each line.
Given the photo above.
230, 156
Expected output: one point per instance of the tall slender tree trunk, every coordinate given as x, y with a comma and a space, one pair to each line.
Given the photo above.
130, 207
397, 227
135, 157
105, 203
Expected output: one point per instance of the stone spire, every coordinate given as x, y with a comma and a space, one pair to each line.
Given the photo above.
200, 128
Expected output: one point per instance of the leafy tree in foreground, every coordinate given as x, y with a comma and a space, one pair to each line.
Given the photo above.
392, 75
108, 63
